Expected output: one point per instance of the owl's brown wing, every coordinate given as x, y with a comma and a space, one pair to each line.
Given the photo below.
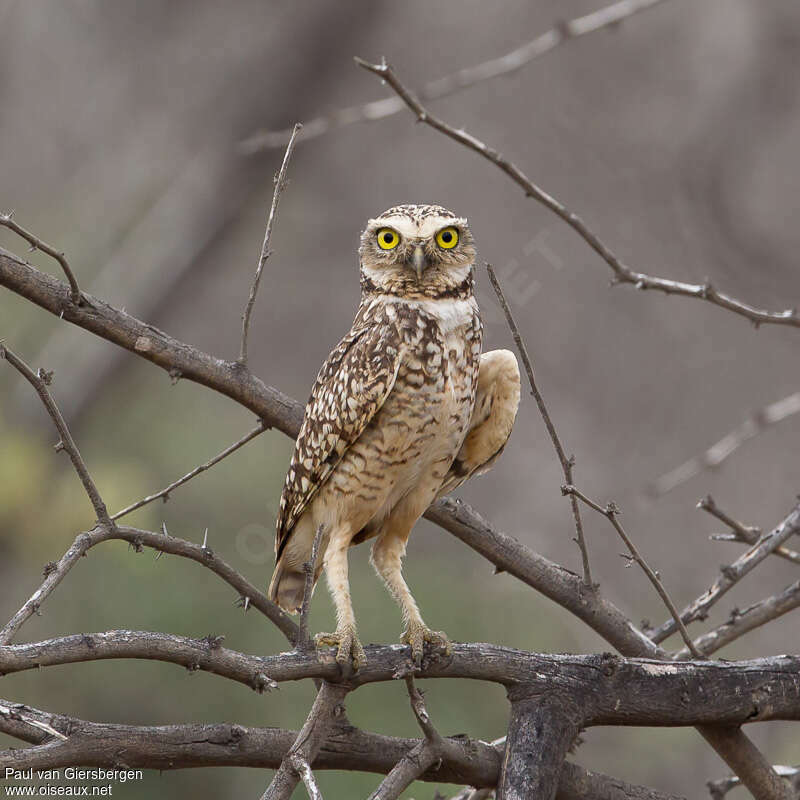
350, 389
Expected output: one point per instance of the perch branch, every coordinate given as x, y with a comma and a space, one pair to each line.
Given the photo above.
732, 574
7, 221
280, 184
612, 690
621, 272
40, 381
566, 463
609, 17
167, 490
711, 458
611, 513
741, 532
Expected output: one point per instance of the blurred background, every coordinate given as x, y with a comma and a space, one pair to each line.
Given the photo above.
674, 136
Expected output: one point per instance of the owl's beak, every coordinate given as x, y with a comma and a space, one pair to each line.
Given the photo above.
419, 261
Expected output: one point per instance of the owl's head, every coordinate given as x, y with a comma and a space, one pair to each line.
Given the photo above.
417, 251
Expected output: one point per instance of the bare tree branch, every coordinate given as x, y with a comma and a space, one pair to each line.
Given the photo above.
741, 532
17, 714
167, 490
542, 728
719, 788
759, 776
7, 221
743, 621
606, 689
566, 463
609, 17
732, 574
39, 381
347, 748
308, 742
611, 513
280, 185
621, 272
417, 761
164, 543
711, 458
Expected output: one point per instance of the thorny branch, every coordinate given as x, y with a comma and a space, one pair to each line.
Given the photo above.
733, 573
280, 184
566, 463
741, 532
167, 490
622, 273
40, 381
609, 17
611, 513
742, 621
7, 221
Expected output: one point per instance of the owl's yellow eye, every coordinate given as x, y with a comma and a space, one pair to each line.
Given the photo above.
388, 239
447, 238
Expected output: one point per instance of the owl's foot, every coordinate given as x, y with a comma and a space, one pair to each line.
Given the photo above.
349, 649
418, 636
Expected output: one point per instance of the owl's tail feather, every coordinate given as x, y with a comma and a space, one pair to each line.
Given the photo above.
286, 588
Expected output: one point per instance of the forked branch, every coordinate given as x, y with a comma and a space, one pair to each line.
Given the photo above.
621, 272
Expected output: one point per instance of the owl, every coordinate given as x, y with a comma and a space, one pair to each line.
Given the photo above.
404, 410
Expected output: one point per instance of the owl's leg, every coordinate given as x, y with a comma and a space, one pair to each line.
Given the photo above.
387, 558
496, 403
345, 638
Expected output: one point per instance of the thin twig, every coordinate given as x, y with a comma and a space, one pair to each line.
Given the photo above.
39, 382
742, 621
167, 490
711, 458
417, 761
280, 184
611, 512
566, 463
7, 221
741, 532
609, 17
732, 574
622, 273
309, 568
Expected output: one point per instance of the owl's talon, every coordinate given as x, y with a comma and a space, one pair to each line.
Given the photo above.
417, 636
349, 651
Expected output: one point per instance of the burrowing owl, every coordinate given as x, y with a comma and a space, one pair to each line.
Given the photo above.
404, 410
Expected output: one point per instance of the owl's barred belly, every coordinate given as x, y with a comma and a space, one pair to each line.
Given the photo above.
402, 456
